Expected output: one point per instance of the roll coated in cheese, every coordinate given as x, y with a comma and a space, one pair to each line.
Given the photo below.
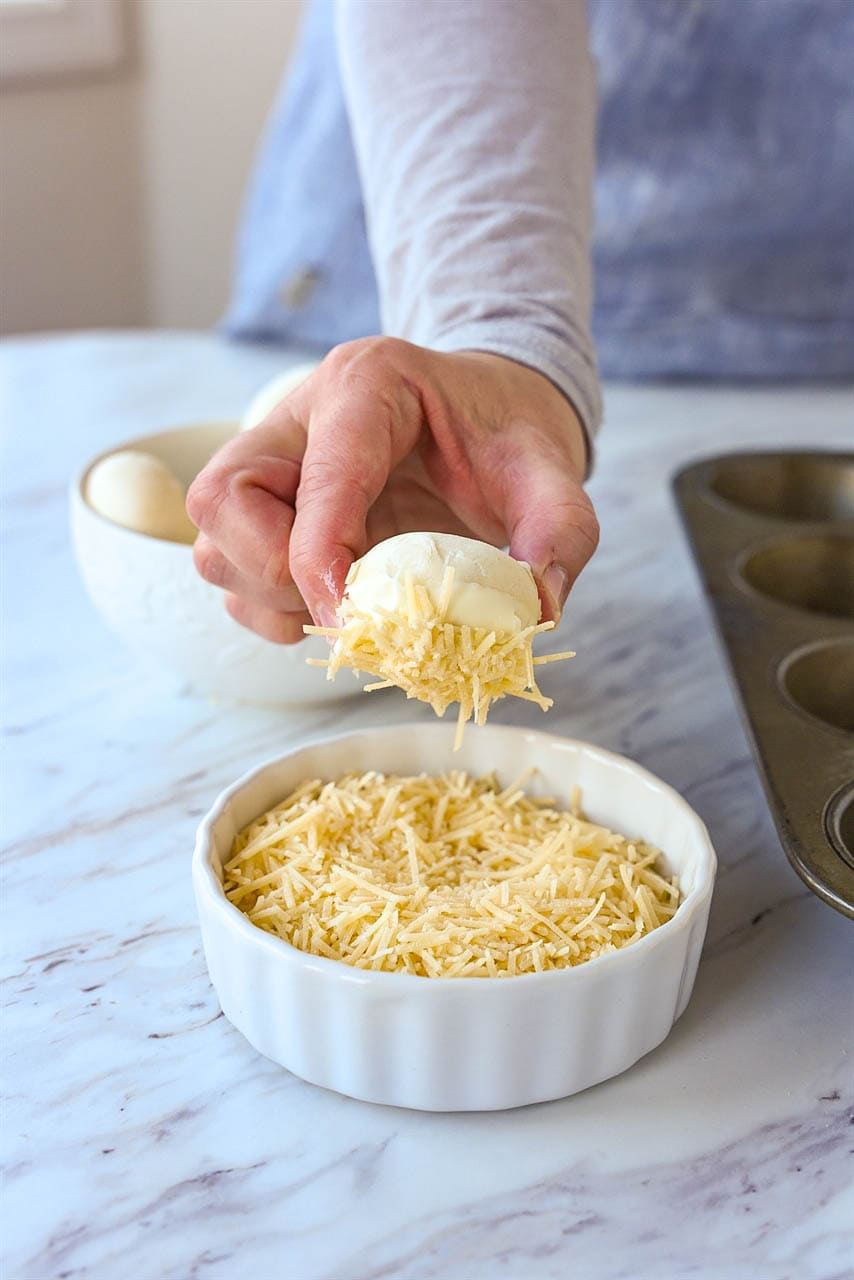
446, 619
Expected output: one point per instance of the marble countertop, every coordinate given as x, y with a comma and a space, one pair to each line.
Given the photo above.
143, 1137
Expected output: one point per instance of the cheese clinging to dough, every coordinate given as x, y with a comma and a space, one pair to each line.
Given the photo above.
444, 877
446, 619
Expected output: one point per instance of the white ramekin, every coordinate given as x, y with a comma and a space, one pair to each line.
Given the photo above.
458, 1044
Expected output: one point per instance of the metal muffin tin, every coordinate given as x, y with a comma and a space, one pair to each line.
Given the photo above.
773, 537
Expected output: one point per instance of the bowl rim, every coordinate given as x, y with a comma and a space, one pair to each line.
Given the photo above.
210, 894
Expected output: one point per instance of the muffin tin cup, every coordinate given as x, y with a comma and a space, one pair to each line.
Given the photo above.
773, 537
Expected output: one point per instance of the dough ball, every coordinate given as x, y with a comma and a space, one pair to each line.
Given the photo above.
139, 492
490, 589
272, 392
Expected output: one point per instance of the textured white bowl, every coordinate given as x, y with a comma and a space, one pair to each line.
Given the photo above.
458, 1044
149, 593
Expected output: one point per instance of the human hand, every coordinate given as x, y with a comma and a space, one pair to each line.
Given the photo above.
385, 438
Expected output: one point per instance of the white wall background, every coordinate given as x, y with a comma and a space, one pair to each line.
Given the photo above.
119, 194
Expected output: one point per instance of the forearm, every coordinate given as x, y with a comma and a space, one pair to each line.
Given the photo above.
473, 124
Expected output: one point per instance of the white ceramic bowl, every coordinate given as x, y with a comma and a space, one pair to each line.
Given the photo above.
272, 392
149, 593
458, 1044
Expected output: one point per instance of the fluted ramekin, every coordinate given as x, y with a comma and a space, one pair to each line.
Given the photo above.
458, 1044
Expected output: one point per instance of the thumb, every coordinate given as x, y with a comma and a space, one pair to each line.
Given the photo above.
348, 459
552, 525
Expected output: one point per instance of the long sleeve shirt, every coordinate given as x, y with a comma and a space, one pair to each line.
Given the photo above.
473, 126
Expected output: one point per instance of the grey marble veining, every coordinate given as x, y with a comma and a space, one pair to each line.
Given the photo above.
142, 1136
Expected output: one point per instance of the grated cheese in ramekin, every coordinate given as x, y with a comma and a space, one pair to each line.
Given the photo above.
444, 877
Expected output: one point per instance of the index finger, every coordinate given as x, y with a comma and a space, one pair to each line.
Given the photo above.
354, 443
243, 500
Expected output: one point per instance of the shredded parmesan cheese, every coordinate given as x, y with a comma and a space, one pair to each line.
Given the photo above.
436, 661
444, 877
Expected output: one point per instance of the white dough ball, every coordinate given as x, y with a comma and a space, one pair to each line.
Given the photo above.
490, 589
265, 400
138, 491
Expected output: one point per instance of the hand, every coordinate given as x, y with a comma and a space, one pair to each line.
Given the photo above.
384, 438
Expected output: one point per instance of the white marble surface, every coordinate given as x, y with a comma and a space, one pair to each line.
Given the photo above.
142, 1136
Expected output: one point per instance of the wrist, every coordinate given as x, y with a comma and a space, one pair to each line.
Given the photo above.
542, 399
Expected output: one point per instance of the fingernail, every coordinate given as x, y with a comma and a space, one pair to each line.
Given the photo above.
556, 584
